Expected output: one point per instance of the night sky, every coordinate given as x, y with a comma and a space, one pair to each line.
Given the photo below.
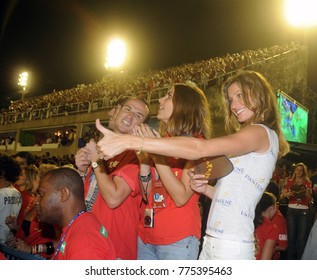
62, 43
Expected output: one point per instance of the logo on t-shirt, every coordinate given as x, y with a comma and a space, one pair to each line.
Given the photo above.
62, 249
103, 231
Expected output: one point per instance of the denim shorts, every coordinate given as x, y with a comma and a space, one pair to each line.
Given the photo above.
184, 249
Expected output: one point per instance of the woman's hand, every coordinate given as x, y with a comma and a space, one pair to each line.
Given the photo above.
144, 130
197, 182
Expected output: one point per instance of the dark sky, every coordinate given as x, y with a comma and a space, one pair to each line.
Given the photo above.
61, 43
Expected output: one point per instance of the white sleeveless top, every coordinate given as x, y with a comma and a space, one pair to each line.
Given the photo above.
232, 210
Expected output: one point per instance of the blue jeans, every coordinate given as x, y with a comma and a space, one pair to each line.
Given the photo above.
297, 226
185, 249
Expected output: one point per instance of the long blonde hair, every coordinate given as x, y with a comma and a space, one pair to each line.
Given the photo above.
31, 172
260, 99
305, 175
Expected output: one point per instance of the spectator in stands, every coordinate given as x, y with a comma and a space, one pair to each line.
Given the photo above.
20, 184
283, 200
25, 159
31, 178
2, 257
175, 229
313, 208
204, 72
61, 201
251, 113
298, 190
10, 198
112, 189
266, 232
32, 233
280, 221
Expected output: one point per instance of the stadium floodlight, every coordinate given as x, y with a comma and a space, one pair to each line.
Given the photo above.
301, 13
116, 54
23, 82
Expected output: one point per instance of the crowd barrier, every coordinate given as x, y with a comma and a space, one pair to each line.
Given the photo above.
13, 254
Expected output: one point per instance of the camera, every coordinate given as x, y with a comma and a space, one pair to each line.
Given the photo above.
149, 218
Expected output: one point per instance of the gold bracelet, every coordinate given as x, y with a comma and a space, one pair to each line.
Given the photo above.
141, 147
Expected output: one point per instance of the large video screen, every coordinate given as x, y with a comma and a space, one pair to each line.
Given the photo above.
294, 119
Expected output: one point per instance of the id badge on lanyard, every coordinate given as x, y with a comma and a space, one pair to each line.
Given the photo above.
159, 193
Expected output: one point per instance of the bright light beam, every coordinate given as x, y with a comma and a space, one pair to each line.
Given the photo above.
23, 80
116, 54
301, 13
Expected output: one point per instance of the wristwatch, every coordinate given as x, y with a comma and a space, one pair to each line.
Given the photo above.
95, 164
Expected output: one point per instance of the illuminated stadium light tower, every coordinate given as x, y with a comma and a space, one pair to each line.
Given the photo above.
301, 13
23, 82
115, 56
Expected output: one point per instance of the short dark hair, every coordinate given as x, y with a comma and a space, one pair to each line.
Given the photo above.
273, 188
66, 177
10, 169
30, 159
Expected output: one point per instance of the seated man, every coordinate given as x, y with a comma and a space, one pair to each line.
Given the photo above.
61, 201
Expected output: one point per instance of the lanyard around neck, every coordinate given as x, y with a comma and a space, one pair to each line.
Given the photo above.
64, 234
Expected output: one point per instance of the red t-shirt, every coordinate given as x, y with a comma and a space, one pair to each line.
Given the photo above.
27, 205
299, 191
268, 230
2, 257
280, 221
85, 239
33, 232
121, 222
171, 223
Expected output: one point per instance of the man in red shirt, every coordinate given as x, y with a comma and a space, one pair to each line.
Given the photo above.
112, 189
61, 201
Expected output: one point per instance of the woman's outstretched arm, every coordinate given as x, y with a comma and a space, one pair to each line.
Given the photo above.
250, 139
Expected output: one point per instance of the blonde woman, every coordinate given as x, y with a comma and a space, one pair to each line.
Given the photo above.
298, 190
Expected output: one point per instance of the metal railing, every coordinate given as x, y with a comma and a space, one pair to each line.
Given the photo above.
13, 254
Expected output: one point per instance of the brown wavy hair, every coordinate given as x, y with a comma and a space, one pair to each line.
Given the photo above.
191, 113
260, 99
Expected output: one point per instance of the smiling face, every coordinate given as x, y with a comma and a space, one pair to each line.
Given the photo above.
166, 106
236, 103
299, 171
131, 113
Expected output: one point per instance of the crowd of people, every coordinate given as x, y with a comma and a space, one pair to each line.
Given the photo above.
135, 192
110, 89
